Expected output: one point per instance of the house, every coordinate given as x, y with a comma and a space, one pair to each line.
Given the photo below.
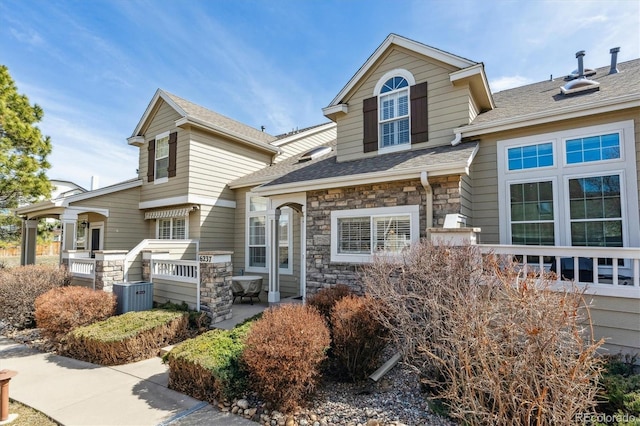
547, 171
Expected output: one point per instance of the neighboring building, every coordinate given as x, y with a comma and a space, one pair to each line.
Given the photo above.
415, 135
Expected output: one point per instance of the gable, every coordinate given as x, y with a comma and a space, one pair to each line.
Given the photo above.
441, 106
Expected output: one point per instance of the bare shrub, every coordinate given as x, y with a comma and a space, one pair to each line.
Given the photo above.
60, 310
497, 347
19, 288
283, 353
325, 299
358, 336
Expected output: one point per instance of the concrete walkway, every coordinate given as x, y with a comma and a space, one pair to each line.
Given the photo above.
75, 392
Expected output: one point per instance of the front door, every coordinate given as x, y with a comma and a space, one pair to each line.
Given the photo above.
95, 236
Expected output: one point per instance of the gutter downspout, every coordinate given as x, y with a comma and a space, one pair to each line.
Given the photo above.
424, 180
457, 139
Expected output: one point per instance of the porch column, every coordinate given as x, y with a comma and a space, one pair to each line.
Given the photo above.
29, 234
69, 224
109, 269
273, 217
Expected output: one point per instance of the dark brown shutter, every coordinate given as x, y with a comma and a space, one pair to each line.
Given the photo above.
173, 151
151, 161
370, 119
419, 114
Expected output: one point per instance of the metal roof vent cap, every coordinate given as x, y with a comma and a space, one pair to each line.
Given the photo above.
581, 83
614, 60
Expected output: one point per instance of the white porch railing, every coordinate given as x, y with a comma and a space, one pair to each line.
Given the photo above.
186, 271
83, 268
618, 277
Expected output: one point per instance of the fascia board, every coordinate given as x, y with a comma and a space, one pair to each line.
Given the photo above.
550, 116
186, 199
362, 179
33, 208
420, 48
102, 191
334, 110
159, 94
476, 76
227, 133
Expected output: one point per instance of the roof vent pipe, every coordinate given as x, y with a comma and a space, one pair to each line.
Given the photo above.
614, 60
580, 55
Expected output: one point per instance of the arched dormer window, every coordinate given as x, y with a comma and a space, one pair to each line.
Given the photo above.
394, 113
396, 116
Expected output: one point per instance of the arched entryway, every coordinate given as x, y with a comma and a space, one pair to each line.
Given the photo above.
294, 266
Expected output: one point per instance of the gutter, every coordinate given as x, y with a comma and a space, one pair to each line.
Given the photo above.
553, 115
360, 179
424, 180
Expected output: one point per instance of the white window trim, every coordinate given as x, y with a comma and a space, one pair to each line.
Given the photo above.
414, 215
506, 195
248, 214
398, 72
156, 179
623, 201
625, 167
186, 228
599, 162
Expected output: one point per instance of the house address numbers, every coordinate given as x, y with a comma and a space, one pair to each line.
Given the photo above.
206, 258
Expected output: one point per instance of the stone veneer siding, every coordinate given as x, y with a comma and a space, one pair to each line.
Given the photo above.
108, 273
321, 272
216, 298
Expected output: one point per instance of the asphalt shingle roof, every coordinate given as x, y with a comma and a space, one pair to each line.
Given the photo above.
290, 171
546, 95
206, 115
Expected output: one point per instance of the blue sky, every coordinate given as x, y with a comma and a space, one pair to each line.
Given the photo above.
94, 65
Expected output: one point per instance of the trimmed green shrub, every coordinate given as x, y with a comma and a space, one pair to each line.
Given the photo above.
358, 336
127, 338
62, 309
209, 367
283, 353
325, 299
19, 288
198, 321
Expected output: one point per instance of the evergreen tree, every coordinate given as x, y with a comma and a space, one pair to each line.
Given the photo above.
23, 148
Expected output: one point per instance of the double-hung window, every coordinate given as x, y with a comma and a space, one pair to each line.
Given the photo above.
570, 188
162, 156
358, 235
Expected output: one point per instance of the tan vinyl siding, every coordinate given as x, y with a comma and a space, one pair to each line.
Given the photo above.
448, 105
484, 166
213, 162
217, 228
175, 292
125, 227
164, 121
616, 320
302, 145
466, 201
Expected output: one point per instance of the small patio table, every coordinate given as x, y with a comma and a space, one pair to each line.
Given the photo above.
246, 286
